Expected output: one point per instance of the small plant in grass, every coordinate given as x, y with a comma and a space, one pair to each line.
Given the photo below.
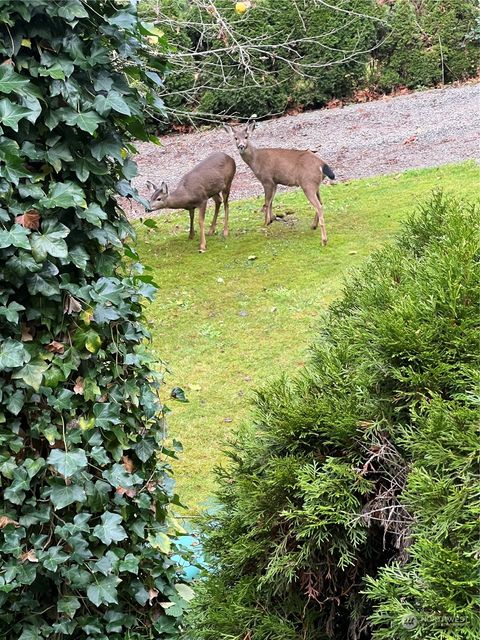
86, 533
349, 508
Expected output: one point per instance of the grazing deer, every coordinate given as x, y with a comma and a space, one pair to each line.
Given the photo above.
291, 167
208, 179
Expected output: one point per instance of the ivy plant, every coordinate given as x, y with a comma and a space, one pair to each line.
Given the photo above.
87, 536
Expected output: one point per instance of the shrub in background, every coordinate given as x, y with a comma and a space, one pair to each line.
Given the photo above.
428, 44
405, 42
86, 488
349, 504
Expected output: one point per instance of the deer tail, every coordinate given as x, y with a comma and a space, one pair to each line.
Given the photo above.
328, 171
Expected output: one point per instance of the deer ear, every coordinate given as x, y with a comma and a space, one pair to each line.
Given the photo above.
228, 129
164, 188
251, 126
151, 187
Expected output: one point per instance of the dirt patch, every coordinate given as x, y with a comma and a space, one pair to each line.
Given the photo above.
423, 129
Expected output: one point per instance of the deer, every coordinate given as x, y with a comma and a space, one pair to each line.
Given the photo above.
290, 167
208, 179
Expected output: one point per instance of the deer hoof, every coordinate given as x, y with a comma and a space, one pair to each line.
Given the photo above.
210, 232
313, 226
324, 242
202, 249
225, 233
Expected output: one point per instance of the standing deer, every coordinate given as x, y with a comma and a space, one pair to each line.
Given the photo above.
208, 179
290, 167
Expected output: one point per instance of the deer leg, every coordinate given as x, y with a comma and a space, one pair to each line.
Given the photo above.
218, 202
225, 195
192, 230
270, 190
313, 196
201, 221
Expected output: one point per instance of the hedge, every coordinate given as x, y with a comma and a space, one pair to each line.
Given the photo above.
349, 506
363, 44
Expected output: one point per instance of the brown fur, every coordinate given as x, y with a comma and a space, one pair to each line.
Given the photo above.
290, 167
211, 178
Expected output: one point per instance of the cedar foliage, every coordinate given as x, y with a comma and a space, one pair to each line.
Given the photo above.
349, 508
86, 534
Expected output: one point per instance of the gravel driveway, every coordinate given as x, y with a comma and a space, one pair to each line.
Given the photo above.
422, 129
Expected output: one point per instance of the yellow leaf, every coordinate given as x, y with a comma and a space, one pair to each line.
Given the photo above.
26, 42
86, 423
86, 317
93, 342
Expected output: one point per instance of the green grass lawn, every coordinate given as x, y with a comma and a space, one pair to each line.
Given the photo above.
247, 310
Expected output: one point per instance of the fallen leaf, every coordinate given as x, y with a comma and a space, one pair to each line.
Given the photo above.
72, 305
5, 520
55, 347
128, 464
79, 386
410, 140
152, 594
29, 555
130, 492
26, 335
252, 258
228, 419
30, 219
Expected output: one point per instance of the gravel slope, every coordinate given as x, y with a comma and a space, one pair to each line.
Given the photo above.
422, 129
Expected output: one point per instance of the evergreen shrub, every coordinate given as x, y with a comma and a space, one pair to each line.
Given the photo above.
333, 49
349, 508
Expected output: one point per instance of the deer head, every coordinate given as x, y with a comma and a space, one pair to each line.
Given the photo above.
158, 195
241, 135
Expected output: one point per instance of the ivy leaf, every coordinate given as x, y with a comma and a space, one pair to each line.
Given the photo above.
107, 147
16, 402
12, 354
113, 100
68, 463
11, 81
110, 530
43, 284
17, 236
123, 20
64, 195
30, 633
30, 190
93, 214
84, 120
71, 9
11, 113
63, 495
145, 449
178, 394
31, 374
185, 592
50, 242
104, 591
93, 341
130, 563
10, 313
68, 605
160, 541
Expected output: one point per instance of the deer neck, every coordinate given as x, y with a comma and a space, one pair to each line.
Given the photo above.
177, 199
249, 155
